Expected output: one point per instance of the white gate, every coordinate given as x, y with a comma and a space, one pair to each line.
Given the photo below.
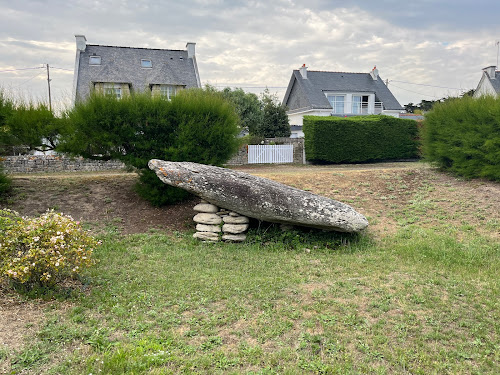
270, 154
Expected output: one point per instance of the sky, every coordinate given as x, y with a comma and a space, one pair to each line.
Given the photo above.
425, 49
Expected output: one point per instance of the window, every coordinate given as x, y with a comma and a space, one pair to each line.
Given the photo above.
146, 63
95, 60
337, 103
356, 104
168, 91
360, 104
114, 89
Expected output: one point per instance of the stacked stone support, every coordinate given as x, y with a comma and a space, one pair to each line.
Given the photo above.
215, 224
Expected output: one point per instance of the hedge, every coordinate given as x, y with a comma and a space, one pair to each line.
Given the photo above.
463, 136
359, 139
196, 125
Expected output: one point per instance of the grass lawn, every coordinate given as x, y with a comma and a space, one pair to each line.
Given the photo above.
418, 293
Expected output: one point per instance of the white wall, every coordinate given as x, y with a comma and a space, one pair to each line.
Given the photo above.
484, 88
297, 118
394, 113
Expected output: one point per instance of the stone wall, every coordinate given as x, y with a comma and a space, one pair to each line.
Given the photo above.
241, 157
55, 163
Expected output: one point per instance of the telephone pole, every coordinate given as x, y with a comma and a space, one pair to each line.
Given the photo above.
48, 84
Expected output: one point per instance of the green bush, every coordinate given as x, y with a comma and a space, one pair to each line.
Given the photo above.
44, 250
5, 183
359, 139
6, 107
28, 124
463, 136
196, 125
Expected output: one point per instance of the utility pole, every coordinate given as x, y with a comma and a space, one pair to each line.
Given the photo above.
48, 84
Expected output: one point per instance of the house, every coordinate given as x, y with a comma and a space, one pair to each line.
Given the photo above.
121, 70
489, 83
322, 93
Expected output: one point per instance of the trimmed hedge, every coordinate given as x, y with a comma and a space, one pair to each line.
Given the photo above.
463, 136
359, 139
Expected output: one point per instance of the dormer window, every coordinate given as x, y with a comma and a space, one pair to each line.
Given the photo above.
95, 60
146, 63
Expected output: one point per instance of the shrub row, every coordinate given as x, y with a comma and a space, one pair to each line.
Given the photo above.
359, 139
463, 136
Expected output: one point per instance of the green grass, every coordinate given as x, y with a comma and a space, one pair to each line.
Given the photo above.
419, 302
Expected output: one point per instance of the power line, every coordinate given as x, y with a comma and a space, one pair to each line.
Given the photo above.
253, 87
69, 70
29, 79
13, 70
423, 84
419, 93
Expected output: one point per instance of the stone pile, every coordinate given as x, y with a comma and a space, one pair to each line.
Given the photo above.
215, 224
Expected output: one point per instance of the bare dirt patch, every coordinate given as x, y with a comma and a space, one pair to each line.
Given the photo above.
100, 199
391, 195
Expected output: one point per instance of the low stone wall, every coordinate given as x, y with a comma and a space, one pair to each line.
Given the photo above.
241, 157
55, 163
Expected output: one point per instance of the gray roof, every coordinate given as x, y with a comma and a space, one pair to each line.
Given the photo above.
123, 65
319, 82
495, 82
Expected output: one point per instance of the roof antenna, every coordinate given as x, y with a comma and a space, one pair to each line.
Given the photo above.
498, 47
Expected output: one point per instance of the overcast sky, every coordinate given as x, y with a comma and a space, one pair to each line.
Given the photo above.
415, 45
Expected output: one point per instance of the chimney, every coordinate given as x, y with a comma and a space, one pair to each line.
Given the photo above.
490, 70
303, 71
190, 48
81, 42
374, 73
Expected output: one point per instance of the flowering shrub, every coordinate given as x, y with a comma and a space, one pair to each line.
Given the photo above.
43, 250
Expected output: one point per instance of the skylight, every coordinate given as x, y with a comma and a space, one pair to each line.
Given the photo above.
95, 60
146, 63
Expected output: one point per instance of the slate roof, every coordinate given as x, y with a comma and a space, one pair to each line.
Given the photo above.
123, 65
495, 82
319, 82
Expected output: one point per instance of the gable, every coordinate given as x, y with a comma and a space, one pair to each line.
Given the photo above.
295, 97
485, 87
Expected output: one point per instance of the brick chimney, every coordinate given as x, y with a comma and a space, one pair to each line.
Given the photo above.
190, 48
303, 71
374, 73
81, 42
490, 70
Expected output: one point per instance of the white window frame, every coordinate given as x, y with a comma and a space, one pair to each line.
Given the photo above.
337, 105
358, 106
144, 61
94, 57
168, 91
113, 89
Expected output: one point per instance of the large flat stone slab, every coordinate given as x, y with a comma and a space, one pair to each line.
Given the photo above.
259, 197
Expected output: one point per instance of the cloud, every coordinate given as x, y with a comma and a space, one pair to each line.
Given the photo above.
259, 43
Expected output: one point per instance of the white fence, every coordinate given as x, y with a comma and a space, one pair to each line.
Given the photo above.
270, 154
